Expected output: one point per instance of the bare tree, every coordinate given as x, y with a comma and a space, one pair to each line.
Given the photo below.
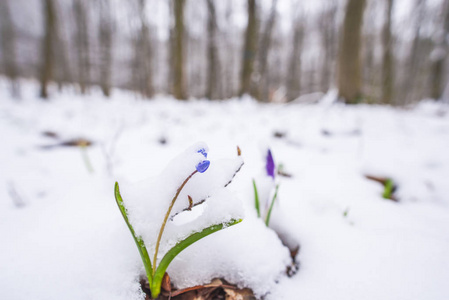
412, 86
249, 49
82, 44
231, 55
177, 51
349, 63
46, 71
294, 67
328, 29
8, 42
387, 58
439, 55
262, 91
105, 39
62, 70
142, 75
260, 58
213, 67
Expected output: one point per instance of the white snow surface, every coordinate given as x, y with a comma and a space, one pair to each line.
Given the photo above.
62, 235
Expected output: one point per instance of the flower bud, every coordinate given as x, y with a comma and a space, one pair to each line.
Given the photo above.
202, 166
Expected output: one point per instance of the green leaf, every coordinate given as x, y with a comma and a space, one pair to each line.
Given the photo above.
173, 252
138, 240
256, 199
267, 221
388, 190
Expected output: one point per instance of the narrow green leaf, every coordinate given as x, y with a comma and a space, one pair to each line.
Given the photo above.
171, 254
267, 221
138, 240
388, 190
256, 199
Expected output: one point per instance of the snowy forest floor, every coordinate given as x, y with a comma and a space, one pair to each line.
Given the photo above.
62, 236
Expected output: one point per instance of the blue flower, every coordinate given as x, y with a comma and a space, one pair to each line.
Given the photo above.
202, 166
270, 164
203, 151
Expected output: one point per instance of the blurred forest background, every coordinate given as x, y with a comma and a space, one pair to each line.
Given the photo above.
374, 51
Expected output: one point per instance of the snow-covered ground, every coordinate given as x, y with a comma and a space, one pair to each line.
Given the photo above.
62, 235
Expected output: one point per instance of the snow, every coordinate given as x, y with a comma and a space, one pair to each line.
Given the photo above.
62, 235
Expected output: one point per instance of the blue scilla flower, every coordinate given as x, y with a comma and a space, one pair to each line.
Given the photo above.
270, 164
203, 165
203, 151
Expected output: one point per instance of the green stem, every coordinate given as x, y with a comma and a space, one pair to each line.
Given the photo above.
267, 221
161, 231
256, 199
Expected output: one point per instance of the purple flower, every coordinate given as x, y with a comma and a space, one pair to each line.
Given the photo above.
202, 166
270, 164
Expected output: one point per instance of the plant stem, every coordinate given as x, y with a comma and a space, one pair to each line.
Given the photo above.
161, 231
256, 199
267, 221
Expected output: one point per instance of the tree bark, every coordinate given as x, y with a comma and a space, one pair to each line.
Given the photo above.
105, 39
249, 49
349, 67
439, 57
179, 81
82, 45
387, 59
412, 86
263, 83
231, 56
142, 75
46, 71
294, 68
327, 25
212, 52
8, 41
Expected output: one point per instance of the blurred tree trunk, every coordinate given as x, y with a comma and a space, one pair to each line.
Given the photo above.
294, 66
445, 95
230, 56
61, 67
412, 86
387, 59
8, 42
82, 44
63, 74
249, 49
177, 51
439, 56
105, 39
212, 55
142, 75
263, 85
349, 63
46, 71
196, 65
328, 28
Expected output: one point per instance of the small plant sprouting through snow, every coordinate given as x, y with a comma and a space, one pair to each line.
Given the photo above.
270, 171
156, 269
268, 192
